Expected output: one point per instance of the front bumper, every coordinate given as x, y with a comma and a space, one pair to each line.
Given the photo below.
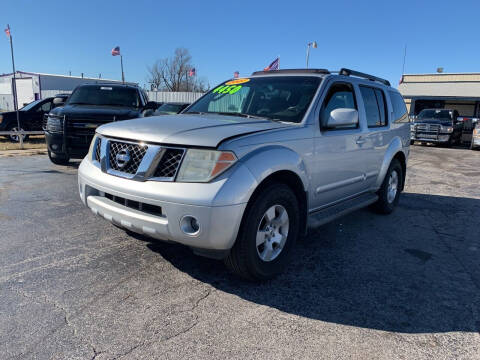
57, 144
432, 138
218, 225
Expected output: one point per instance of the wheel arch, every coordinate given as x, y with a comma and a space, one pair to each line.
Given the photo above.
394, 151
294, 182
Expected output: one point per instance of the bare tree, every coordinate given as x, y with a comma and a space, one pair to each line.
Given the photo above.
172, 74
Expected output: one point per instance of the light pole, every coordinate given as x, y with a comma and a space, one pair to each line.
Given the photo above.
313, 44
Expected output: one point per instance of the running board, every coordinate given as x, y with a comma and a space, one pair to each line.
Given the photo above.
333, 212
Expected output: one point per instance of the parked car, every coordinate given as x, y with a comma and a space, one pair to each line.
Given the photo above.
438, 126
30, 116
238, 174
475, 144
170, 108
70, 128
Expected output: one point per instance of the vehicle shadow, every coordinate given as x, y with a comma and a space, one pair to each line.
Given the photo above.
415, 271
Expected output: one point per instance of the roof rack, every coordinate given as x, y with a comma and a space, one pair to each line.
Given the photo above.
348, 72
292, 71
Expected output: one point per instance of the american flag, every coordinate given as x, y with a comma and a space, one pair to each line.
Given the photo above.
236, 74
191, 72
116, 51
274, 65
7, 31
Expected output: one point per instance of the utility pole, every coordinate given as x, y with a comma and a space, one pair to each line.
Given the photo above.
14, 86
121, 64
312, 44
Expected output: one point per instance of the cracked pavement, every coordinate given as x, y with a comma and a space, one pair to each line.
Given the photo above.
363, 287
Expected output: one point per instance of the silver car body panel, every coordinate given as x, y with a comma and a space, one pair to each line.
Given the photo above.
186, 129
333, 166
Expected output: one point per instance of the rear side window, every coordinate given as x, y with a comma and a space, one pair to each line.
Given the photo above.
374, 102
399, 108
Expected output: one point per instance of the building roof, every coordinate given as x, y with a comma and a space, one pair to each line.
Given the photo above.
442, 85
56, 75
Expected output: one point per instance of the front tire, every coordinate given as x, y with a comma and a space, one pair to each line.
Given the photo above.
267, 235
389, 192
58, 160
16, 138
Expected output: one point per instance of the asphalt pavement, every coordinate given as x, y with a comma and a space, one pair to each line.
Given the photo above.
404, 286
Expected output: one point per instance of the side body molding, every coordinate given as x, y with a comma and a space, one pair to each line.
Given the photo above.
394, 148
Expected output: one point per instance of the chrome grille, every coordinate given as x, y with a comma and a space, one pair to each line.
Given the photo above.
136, 153
428, 128
169, 163
97, 149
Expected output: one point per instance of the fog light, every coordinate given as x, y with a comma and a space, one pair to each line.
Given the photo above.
54, 146
189, 225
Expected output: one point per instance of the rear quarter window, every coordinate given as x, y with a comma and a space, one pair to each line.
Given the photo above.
399, 108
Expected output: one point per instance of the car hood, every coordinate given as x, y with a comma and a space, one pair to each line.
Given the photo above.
96, 112
187, 129
434, 121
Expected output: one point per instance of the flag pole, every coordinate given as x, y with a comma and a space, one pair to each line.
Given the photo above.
121, 64
14, 88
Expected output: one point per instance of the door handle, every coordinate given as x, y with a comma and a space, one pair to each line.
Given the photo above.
360, 141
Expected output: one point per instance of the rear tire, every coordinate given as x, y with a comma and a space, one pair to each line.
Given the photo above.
267, 235
389, 192
58, 160
412, 142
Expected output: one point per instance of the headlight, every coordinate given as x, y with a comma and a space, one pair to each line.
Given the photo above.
54, 124
447, 129
476, 132
203, 165
1, 118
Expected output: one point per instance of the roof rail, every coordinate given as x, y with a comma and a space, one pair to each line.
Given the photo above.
292, 71
348, 72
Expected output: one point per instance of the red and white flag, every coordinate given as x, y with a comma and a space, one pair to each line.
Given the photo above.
192, 72
116, 51
7, 31
274, 65
236, 74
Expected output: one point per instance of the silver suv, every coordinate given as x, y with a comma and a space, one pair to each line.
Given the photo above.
238, 174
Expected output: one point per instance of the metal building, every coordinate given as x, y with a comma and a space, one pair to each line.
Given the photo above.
34, 86
459, 91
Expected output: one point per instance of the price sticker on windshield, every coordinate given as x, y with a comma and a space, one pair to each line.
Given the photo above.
237, 81
227, 89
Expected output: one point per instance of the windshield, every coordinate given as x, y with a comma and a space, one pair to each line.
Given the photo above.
30, 106
435, 114
284, 98
169, 108
105, 95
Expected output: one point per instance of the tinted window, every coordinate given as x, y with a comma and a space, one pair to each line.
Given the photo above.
45, 107
284, 98
371, 106
373, 100
382, 106
169, 109
435, 114
340, 96
31, 105
105, 95
399, 108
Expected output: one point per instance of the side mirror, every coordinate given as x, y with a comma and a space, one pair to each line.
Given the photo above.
151, 105
342, 117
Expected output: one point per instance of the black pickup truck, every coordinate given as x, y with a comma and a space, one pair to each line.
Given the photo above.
70, 128
439, 126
